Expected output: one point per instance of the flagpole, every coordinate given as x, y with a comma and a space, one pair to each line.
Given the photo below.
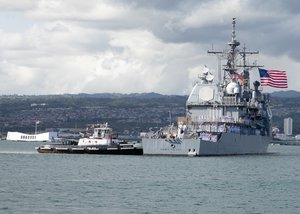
35, 128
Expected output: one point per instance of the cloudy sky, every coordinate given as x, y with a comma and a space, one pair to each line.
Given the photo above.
133, 46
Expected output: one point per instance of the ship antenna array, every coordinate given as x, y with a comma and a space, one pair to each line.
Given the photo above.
231, 55
243, 54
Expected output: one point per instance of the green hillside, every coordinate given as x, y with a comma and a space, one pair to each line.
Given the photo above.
130, 112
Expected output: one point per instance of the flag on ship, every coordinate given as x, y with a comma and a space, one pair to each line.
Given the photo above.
234, 74
273, 78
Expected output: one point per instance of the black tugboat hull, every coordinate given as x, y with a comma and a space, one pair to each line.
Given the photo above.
100, 150
119, 151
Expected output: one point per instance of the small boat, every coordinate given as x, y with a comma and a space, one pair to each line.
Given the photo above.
44, 149
103, 141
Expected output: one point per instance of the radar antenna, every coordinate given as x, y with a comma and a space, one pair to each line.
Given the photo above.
231, 67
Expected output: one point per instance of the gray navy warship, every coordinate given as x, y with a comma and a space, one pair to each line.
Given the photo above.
226, 117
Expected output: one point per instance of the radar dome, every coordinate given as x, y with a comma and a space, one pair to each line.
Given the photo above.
205, 70
209, 77
230, 87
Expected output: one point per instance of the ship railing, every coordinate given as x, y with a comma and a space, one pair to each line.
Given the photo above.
192, 104
224, 119
232, 101
213, 137
229, 128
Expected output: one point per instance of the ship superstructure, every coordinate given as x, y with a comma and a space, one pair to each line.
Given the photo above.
222, 118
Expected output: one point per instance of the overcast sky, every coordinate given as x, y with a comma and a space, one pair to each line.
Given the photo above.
134, 46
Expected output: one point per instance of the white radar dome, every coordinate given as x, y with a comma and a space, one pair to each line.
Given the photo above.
205, 70
230, 88
209, 77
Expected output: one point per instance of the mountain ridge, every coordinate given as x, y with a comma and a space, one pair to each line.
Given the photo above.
286, 94
149, 95
17, 112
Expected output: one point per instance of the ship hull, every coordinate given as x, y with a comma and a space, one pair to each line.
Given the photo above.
228, 144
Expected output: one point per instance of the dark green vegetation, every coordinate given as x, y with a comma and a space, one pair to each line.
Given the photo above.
286, 104
129, 113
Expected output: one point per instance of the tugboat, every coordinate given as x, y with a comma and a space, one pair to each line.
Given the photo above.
225, 117
103, 141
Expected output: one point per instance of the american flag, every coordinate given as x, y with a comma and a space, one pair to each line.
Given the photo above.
234, 74
273, 78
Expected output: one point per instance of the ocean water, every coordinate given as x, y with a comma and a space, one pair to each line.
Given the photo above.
82, 183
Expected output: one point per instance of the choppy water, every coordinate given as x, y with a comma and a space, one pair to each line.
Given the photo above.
65, 183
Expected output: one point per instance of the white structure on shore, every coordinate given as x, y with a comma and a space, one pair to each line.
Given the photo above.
18, 136
288, 126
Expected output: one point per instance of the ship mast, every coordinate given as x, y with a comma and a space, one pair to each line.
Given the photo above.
231, 56
233, 51
247, 67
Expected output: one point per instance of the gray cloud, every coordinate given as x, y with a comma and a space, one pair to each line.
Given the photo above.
73, 46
